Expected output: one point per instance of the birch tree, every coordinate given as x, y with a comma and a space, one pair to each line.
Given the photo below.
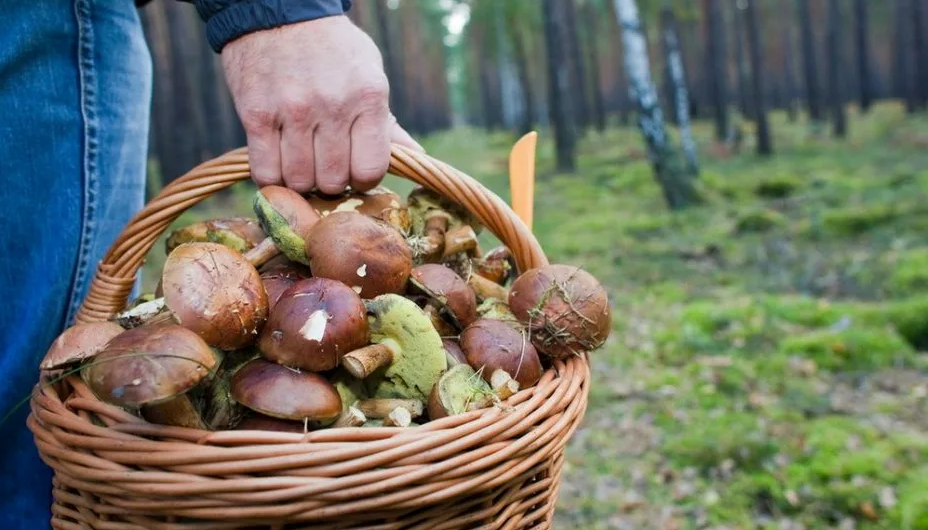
669, 170
679, 91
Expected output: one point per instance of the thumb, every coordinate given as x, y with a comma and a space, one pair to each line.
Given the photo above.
398, 135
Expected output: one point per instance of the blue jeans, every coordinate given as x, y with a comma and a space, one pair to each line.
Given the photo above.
75, 91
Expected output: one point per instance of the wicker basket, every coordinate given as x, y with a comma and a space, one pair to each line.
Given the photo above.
496, 468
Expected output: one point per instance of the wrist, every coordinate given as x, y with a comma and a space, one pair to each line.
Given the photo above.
228, 20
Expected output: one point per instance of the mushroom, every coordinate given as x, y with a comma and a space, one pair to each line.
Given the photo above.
79, 343
492, 345
285, 393
278, 279
447, 291
454, 355
486, 289
288, 219
376, 202
220, 411
382, 407
238, 233
433, 216
496, 265
259, 422
565, 308
313, 324
406, 357
367, 254
214, 291
497, 309
153, 369
459, 390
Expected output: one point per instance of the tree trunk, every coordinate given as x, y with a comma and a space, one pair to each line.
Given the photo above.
164, 144
920, 49
525, 80
591, 31
716, 71
669, 170
744, 81
901, 52
764, 143
392, 60
789, 73
678, 82
835, 63
862, 42
578, 68
188, 125
808, 61
561, 116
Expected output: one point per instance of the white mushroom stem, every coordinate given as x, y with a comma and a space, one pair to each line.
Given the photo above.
503, 384
460, 239
350, 417
362, 362
262, 252
398, 417
151, 312
436, 224
383, 407
485, 288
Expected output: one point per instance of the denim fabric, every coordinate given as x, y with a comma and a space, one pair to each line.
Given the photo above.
75, 84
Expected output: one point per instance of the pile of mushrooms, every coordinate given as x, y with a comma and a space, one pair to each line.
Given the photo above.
357, 310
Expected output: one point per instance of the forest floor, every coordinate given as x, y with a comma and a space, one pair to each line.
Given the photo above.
767, 365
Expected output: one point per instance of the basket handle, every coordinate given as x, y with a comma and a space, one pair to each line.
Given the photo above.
116, 273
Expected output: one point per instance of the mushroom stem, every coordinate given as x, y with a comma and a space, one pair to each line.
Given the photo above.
141, 314
503, 384
436, 224
262, 252
486, 288
350, 417
443, 328
398, 417
382, 407
178, 412
364, 361
460, 239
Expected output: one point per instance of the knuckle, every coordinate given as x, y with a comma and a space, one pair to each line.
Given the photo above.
258, 119
373, 93
297, 109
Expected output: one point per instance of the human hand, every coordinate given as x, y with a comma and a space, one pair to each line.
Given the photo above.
314, 101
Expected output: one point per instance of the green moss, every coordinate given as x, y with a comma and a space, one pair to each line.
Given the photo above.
777, 187
911, 512
759, 221
855, 348
909, 274
853, 220
708, 440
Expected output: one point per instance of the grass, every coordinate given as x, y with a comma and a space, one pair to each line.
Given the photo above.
767, 366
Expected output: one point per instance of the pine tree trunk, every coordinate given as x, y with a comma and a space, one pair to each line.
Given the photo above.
189, 122
591, 31
559, 109
525, 81
901, 51
808, 61
862, 42
392, 60
716, 71
764, 142
678, 82
744, 80
578, 68
835, 63
669, 170
920, 49
789, 73
164, 144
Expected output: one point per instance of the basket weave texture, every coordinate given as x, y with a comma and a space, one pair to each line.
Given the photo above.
496, 468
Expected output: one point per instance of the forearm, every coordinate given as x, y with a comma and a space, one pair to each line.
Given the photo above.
226, 20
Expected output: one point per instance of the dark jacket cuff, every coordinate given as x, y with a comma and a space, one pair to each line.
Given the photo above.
227, 20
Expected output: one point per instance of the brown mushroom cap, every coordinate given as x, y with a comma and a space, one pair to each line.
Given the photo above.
371, 203
449, 290
497, 265
280, 278
214, 291
260, 422
79, 343
566, 307
149, 365
315, 323
453, 352
284, 393
238, 233
492, 345
287, 218
364, 253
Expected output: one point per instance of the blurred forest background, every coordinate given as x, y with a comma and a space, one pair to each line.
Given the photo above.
749, 178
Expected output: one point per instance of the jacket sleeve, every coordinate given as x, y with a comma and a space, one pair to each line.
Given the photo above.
226, 20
